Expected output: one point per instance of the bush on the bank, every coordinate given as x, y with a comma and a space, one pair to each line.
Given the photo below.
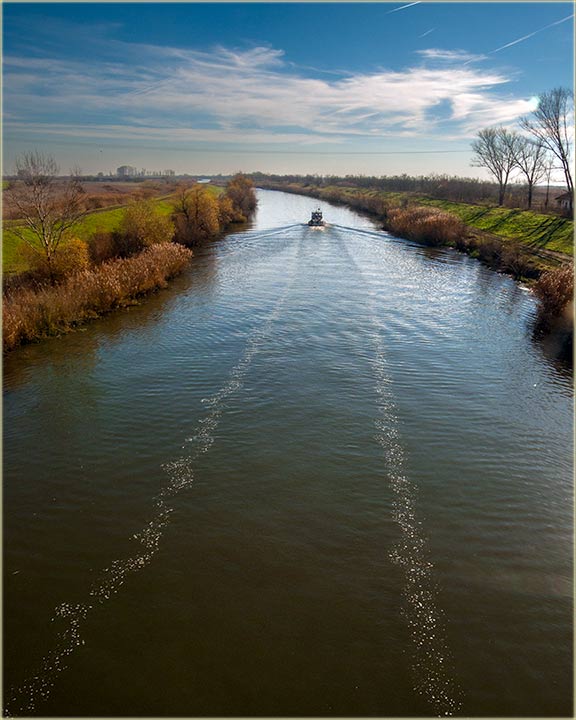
226, 212
425, 225
142, 225
240, 191
555, 290
102, 246
513, 260
30, 314
196, 217
69, 257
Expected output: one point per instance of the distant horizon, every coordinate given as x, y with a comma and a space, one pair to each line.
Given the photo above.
332, 89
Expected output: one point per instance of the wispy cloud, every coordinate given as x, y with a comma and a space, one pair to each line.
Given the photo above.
526, 37
404, 7
458, 56
245, 96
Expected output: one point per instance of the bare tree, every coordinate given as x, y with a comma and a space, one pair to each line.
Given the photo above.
531, 161
495, 150
47, 209
552, 124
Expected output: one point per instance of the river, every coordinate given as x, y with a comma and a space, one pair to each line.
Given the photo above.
327, 472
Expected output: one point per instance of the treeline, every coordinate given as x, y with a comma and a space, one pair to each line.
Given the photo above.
434, 185
69, 279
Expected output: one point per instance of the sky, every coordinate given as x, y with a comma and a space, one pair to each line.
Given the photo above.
378, 88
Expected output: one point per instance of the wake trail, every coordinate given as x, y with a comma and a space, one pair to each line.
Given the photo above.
250, 236
24, 699
373, 233
432, 664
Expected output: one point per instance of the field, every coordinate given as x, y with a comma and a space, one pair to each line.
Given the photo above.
105, 220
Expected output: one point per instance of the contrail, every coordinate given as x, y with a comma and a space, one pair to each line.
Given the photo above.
404, 7
427, 31
525, 37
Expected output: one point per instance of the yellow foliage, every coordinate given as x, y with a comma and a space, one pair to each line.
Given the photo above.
142, 226
197, 217
70, 257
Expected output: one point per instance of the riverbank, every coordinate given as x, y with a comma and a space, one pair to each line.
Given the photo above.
33, 314
126, 254
99, 221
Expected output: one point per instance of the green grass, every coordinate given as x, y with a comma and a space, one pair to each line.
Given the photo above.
98, 221
535, 230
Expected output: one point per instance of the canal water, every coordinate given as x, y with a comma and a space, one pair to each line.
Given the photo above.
327, 472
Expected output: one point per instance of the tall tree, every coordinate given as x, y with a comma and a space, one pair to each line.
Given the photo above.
552, 124
240, 190
531, 161
196, 216
495, 150
46, 207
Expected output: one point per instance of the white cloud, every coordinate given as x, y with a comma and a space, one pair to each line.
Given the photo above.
246, 96
450, 55
478, 111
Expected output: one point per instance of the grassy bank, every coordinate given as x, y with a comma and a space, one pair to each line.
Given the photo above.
31, 314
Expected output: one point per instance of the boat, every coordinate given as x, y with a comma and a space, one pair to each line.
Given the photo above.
316, 219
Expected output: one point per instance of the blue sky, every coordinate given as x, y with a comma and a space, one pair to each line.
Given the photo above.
372, 88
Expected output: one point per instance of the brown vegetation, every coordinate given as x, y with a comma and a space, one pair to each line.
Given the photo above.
142, 226
240, 190
30, 314
555, 290
69, 257
424, 224
196, 216
199, 216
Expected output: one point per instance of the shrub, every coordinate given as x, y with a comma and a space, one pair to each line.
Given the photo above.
426, 225
102, 246
226, 213
555, 290
490, 251
240, 190
141, 226
515, 261
70, 257
196, 217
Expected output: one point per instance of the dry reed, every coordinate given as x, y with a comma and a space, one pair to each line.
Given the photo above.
30, 314
425, 225
555, 290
